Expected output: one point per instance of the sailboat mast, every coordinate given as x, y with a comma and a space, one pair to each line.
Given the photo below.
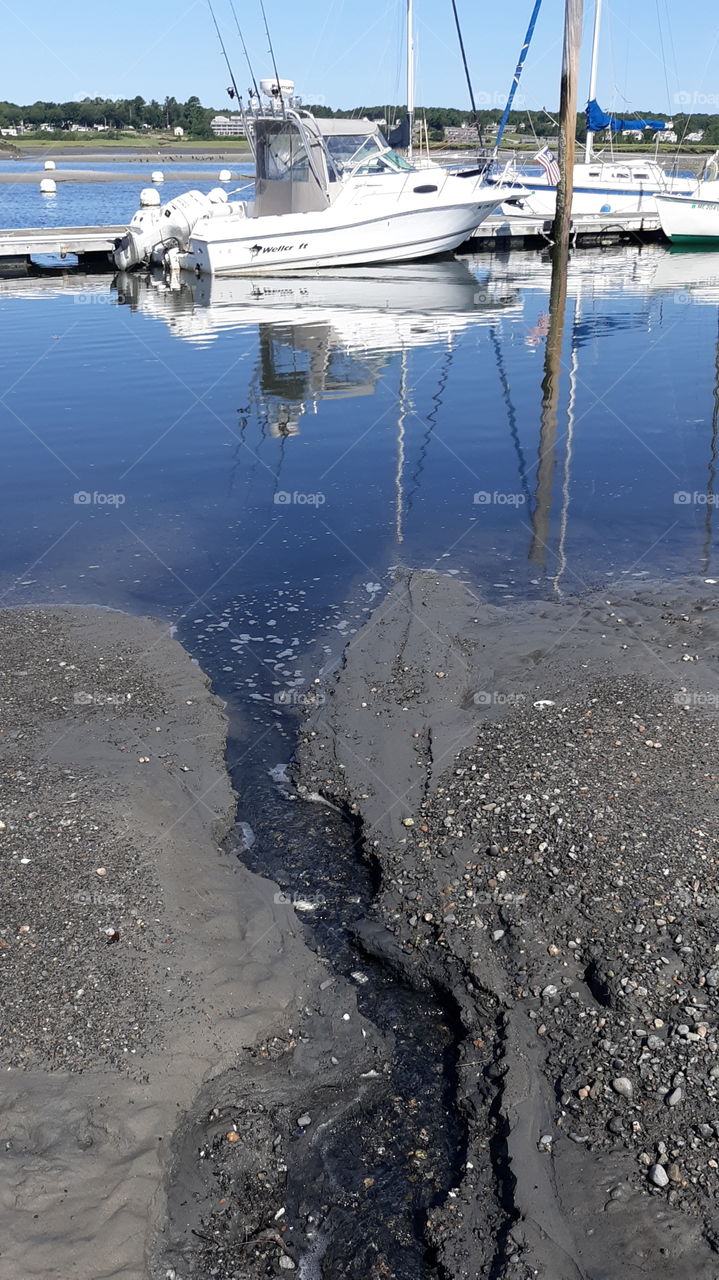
410, 73
589, 145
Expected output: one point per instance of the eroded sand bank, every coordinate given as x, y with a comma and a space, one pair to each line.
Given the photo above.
538, 787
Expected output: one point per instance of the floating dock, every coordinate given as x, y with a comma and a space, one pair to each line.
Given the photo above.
93, 245
590, 230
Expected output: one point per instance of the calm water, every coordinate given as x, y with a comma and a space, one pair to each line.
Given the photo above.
251, 458
103, 203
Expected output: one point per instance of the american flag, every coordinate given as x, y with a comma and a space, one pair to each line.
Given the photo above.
548, 161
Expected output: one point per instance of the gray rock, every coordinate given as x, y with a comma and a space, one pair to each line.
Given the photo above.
304, 1121
286, 1263
658, 1175
623, 1087
712, 978
674, 1098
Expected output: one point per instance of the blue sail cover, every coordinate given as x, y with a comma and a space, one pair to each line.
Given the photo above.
598, 119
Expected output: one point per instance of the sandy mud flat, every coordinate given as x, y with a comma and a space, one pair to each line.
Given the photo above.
139, 959
190, 1091
537, 787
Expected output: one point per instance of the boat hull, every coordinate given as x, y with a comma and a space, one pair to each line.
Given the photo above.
689, 220
307, 241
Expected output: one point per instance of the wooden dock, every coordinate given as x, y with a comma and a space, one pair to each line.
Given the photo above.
21, 245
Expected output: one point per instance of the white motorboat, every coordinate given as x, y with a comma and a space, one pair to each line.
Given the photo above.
692, 219
312, 208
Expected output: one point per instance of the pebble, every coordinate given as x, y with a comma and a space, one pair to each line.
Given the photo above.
286, 1263
623, 1086
304, 1121
658, 1175
674, 1098
545, 1142
712, 978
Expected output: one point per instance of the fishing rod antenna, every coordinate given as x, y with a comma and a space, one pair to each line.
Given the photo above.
245, 51
272, 55
234, 91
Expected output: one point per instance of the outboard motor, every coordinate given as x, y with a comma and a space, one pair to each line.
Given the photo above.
153, 230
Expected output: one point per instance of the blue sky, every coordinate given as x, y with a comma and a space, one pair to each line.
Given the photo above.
344, 52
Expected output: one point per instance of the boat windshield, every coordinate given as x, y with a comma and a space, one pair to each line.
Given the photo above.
374, 156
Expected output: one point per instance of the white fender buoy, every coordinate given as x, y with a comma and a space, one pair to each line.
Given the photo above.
49, 164
225, 175
157, 175
48, 186
149, 198
217, 195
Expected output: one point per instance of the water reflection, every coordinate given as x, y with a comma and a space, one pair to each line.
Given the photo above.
439, 412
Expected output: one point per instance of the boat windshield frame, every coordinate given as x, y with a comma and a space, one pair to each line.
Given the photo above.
374, 157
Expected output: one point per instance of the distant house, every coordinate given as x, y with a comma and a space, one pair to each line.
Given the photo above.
667, 135
227, 126
636, 134
8, 133
695, 137
460, 133
179, 131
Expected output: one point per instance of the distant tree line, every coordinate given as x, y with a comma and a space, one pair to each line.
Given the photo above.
117, 113
136, 113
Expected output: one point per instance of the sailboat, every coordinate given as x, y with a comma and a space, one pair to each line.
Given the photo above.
602, 186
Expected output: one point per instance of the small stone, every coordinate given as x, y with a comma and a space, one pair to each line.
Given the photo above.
674, 1098
675, 1173
545, 1142
232, 1136
101, 871
286, 1264
616, 1125
712, 978
658, 1175
549, 992
2, 826
304, 1121
408, 822
498, 933
623, 1087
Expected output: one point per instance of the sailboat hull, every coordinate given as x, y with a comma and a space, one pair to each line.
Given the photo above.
310, 241
689, 220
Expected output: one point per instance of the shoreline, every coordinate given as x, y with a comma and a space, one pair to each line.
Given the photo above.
536, 786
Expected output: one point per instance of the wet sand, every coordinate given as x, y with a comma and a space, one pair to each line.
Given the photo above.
94, 175
139, 959
537, 787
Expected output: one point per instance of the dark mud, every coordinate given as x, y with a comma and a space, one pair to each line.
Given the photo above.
539, 790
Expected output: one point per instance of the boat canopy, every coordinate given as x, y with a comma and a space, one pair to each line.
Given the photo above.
598, 119
294, 171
